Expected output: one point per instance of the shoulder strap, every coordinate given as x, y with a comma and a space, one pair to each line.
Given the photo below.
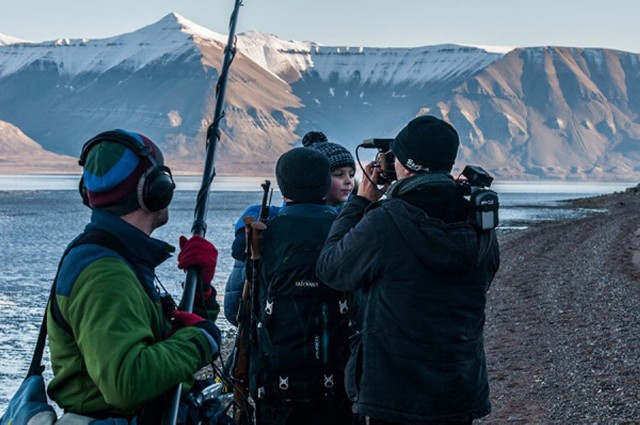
96, 237
36, 367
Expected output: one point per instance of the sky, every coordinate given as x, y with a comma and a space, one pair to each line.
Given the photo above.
370, 23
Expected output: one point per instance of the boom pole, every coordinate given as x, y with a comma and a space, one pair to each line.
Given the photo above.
199, 227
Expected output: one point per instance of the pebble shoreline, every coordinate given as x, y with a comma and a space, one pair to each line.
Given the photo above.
563, 320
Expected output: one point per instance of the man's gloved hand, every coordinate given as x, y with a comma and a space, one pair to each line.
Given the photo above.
207, 327
199, 252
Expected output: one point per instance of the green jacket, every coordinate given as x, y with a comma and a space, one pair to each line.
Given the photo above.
118, 355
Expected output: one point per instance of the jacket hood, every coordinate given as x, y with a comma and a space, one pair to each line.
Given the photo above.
445, 248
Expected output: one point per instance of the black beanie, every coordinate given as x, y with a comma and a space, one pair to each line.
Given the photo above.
338, 155
303, 175
426, 144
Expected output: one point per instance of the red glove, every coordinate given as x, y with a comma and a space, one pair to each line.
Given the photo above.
183, 318
211, 331
198, 252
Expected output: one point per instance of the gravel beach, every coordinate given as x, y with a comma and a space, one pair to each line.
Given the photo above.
563, 319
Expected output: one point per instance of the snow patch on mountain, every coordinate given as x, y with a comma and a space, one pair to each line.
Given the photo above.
420, 65
175, 35
347, 64
5, 40
492, 49
168, 38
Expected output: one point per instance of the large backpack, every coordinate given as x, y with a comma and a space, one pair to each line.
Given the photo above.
301, 326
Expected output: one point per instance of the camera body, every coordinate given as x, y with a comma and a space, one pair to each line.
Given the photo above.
385, 159
484, 201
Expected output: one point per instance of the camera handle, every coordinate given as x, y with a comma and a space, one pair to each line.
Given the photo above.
364, 172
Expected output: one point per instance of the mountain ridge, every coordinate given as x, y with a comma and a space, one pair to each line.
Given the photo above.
522, 113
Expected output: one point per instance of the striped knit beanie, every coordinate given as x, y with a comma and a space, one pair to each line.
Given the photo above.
338, 155
112, 172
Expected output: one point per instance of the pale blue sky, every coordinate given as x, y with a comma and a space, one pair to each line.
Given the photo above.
384, 23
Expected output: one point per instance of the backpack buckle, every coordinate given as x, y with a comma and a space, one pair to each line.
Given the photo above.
344, 308
328, 381
284, 383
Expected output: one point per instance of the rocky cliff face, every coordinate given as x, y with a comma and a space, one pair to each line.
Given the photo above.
551, 112
529, 113
19, 153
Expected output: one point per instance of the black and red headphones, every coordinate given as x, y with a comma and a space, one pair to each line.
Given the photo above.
156, 185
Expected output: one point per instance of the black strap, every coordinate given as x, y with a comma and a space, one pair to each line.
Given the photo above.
96, 237
36, 367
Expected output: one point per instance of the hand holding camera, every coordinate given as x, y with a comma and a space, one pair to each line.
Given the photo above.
368, 188
380, 172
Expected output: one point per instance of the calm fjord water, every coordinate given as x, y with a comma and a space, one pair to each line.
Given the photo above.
39, 215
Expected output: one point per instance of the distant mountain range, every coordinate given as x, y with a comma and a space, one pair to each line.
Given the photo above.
540, 112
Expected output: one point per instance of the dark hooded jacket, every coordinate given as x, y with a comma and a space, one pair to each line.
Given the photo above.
420, 358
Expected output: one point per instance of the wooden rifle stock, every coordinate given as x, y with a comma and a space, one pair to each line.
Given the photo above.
257, 228
241, 349
241, 363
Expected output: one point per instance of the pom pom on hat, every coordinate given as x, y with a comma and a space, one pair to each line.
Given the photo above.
314, 137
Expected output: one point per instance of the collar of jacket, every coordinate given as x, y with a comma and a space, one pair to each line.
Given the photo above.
303, 209
145, 249
418, 182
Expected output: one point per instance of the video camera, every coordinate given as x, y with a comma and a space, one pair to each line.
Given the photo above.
384, 158
484, 201
475, 184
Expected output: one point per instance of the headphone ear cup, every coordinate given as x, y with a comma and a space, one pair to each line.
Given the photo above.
155, 189
83, 192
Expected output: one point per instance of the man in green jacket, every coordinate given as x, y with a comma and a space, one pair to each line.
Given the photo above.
116, 344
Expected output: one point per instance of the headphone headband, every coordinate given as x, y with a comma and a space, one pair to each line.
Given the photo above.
123, 138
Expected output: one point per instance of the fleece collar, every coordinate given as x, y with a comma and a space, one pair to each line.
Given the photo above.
144, 249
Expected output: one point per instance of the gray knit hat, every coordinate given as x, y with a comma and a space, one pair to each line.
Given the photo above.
338, 155
303, 175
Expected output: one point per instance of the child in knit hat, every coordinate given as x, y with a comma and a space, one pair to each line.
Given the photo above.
343, 166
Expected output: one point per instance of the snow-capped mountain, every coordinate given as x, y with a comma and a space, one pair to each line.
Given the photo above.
160, 80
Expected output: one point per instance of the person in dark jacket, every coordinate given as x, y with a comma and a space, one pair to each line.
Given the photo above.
424, 271
300, 332
342, 184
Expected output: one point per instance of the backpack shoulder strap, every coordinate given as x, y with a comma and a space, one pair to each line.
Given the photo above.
95, 237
